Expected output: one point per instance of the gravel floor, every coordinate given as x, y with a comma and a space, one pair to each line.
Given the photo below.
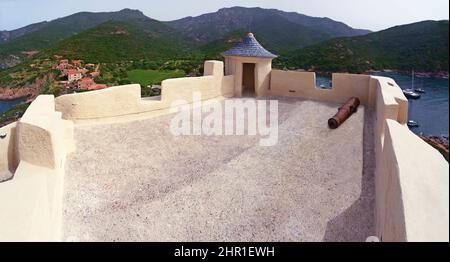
137, 182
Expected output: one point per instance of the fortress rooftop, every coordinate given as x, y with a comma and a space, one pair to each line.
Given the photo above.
152, 186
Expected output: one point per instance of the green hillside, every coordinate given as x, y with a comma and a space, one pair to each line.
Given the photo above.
148, 77
274, 32
137, 43
279, 31
116, 41
421, 46
54, 31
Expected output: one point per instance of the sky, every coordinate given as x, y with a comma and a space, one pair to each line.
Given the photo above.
365, 14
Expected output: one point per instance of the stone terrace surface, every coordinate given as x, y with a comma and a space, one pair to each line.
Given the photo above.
135, 181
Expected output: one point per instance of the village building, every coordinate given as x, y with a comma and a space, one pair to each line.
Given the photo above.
63, 68
94, 74
83, 71
76, 63
73, 75
85, 83
97, 87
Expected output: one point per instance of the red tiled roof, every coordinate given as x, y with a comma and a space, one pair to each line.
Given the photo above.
73, 72
97, 86
87, 80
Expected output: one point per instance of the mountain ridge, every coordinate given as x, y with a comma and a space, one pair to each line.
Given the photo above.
420, 46
216, 25
287, 34
6, 35
59, 29
265, 22
114, 41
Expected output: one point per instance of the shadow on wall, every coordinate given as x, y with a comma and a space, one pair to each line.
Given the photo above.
357, 222
8, 168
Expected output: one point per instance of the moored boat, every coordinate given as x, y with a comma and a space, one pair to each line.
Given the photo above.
413, 124
410, 93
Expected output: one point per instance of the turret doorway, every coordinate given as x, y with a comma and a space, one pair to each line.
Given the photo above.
248, 80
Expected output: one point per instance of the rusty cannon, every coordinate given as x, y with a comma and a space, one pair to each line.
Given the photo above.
344, 112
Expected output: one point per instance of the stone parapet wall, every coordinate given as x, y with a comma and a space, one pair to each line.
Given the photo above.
126, 100
303, 84
35, 149
412, 182
412, 186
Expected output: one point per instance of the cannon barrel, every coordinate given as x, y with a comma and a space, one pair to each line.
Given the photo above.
344, 112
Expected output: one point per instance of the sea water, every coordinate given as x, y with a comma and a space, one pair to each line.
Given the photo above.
6, 105
431, 111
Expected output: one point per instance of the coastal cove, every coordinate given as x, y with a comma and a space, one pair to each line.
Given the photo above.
5, 105
431, 111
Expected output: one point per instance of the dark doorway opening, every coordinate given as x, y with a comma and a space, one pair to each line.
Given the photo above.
248, 79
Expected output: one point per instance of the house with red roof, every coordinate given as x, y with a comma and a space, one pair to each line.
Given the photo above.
76, 62
97, 86
94, 74
83, 70
73, 75
86, 83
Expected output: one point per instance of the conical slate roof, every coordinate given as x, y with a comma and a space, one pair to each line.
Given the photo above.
249, 48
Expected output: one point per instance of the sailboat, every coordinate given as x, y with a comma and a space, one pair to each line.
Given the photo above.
420, 90
410, 93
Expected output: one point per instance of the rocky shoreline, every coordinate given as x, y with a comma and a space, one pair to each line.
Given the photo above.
30, 91
12, 98
9, 94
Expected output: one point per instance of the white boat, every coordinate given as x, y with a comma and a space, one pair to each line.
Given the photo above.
411, 93
413, 124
